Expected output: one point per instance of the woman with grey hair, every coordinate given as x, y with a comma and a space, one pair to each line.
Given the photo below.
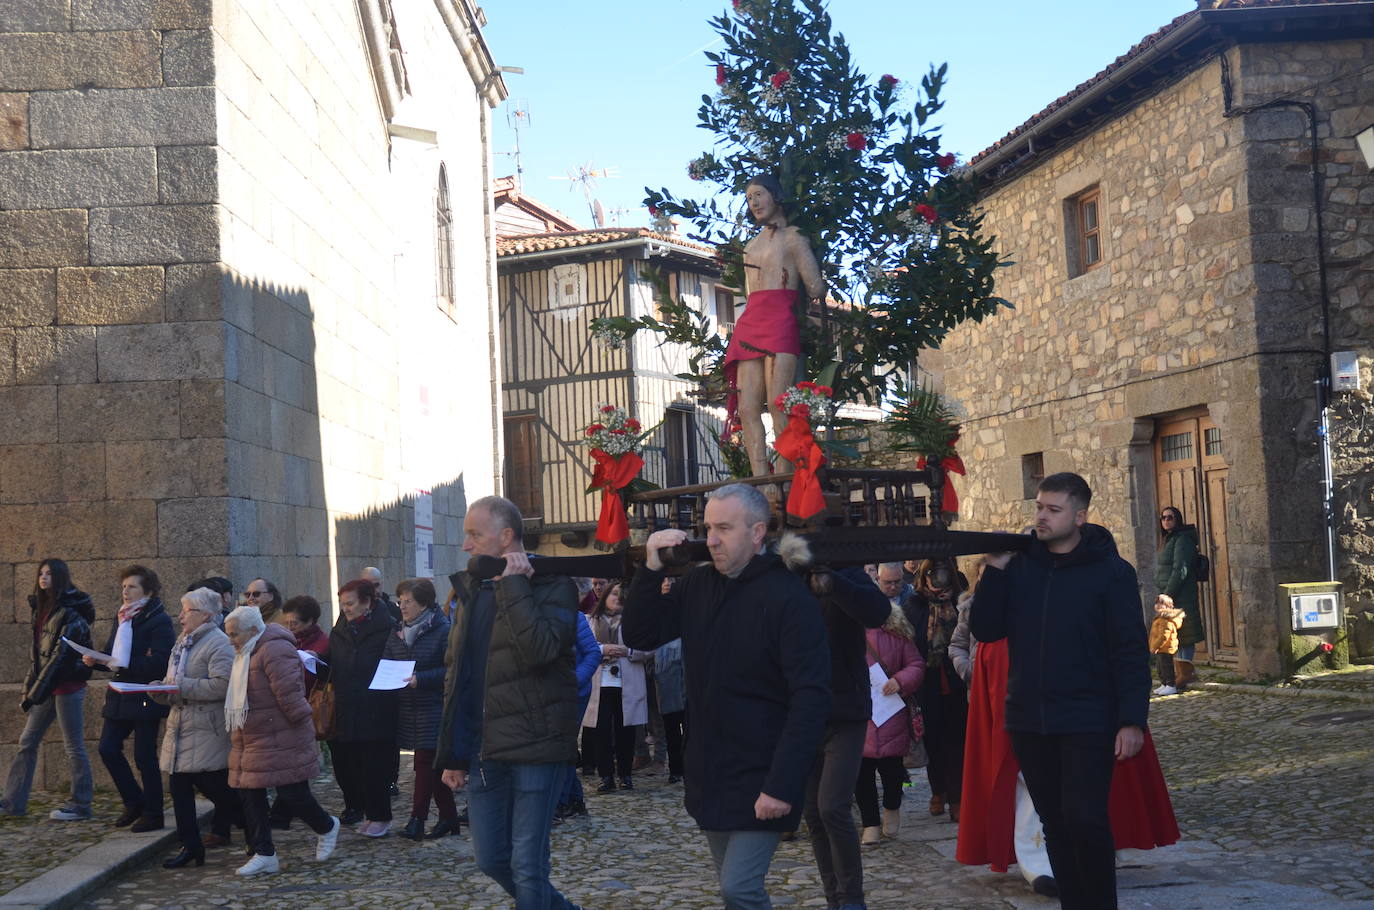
195, 745
272, 736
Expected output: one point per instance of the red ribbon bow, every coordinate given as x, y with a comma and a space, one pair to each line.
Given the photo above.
797, 445
952, 464
613, 473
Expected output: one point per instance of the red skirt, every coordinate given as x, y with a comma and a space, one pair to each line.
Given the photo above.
768, 326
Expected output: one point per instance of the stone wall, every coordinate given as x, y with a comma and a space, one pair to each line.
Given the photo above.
1185, 311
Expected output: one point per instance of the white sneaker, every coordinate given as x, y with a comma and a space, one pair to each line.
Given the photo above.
260, 865
69, 815
1166, 690
328, 841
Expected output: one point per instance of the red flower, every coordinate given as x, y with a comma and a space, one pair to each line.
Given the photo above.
945, 162
632, 423
802, 410
594, 429
888, 80
856, 142
926, 212
806, 385
608, 409
720, 74
1327, 647
825, 390
781, 78
778, 402
617, 432
653, 211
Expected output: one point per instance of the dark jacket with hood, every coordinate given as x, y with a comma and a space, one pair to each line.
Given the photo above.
1176, 575
1080, 660
360, 714
152, 641
855, 605
53, 663
529, 696
758, 669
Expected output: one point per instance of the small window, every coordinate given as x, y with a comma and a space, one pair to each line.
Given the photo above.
443, 241
1178, 447
679, 448
725, 308
1082, 214
1211, 440
1032, 472
523, 468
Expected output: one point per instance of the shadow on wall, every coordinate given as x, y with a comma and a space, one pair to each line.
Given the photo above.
385, 536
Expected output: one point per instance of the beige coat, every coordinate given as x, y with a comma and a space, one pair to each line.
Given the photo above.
276, 744
634, 691
194, 738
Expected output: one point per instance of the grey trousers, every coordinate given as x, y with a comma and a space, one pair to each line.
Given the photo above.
828, 813
742, 859
67, 711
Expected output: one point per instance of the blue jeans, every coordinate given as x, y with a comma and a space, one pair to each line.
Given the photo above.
67, 711
1186, 652
510, 812
742, 859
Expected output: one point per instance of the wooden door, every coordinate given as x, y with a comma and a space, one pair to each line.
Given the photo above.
1190, 474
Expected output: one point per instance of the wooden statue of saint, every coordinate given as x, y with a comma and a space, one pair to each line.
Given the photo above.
764, 353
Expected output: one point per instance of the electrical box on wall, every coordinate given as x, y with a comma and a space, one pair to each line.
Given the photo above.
1317, 611
1345, 371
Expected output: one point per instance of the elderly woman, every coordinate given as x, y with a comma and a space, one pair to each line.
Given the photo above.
364, 743
195, 745
301, 617
619, 701
423, 637
139, 647
272, 736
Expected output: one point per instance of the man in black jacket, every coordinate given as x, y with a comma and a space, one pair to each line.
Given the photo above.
509, 722
1078, 688
756, 662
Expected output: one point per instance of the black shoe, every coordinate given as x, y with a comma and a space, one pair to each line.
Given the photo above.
607, 785
674, 778
577, 807
463, 816
395, 790
444, 828
351, 817
131, 815
147, 823
626, 783
414, 829
560, 811
1045, 885
184, 858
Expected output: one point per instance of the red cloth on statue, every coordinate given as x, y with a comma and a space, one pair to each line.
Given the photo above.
1141, 813
797, 444
613, 472
767, 326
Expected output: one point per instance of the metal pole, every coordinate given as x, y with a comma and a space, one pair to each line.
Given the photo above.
1328, 482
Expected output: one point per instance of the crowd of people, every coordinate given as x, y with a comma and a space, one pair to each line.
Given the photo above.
254, 696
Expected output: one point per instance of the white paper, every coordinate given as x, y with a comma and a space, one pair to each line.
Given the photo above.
89, 652
392, 674
310, 659
143, 687
884, 706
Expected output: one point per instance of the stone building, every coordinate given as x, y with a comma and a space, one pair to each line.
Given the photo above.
1176, 305
247, 293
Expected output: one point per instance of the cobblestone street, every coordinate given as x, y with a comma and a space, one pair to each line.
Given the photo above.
1273, 807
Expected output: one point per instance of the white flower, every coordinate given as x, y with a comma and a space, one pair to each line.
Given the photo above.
608, 338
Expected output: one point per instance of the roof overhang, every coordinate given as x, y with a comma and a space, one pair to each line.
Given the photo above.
634, 247
464, 23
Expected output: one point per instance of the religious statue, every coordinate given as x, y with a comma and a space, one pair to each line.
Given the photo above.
764, 353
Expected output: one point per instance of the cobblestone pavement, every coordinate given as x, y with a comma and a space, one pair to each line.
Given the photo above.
1273, 804
32, 844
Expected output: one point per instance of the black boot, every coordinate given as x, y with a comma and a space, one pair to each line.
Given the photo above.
607, 785
147, 823
577, 807
351, 817
444, 828
184, 858
626, 783
414, 829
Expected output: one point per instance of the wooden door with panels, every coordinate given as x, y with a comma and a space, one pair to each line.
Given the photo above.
1190, 474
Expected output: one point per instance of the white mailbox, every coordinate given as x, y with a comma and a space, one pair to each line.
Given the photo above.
1313, 612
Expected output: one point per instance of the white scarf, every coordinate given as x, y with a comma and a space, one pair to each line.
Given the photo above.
124, 635
236, 704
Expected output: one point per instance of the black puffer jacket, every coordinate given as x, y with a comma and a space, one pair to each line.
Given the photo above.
529, 712
855, 605
417, 723
151, 646
360, 714
53, 663
758, 670
1080, 661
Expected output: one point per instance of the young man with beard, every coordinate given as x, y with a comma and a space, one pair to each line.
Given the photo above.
1079, 684
756, 662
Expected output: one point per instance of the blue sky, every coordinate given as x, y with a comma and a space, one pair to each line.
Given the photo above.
615, 84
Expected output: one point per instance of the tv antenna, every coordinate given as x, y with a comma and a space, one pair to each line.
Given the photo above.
586, 175
517, 113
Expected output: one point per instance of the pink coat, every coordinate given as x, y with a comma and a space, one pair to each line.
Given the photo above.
903, 661
276, 744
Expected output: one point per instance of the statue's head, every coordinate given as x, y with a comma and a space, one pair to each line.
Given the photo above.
770, 185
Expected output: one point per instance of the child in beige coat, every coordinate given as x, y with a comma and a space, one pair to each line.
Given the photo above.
1164, 642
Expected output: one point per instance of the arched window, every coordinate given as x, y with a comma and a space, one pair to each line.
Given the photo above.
443, 240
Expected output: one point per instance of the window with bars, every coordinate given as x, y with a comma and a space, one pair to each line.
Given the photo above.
1178, 447
1211, 441
443, 242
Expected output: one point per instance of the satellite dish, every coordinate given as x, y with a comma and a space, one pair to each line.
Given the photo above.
598, 214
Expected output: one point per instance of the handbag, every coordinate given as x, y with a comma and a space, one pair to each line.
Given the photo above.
322, 710
915, 756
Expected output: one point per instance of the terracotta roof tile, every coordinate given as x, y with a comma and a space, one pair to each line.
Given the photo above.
568, 240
